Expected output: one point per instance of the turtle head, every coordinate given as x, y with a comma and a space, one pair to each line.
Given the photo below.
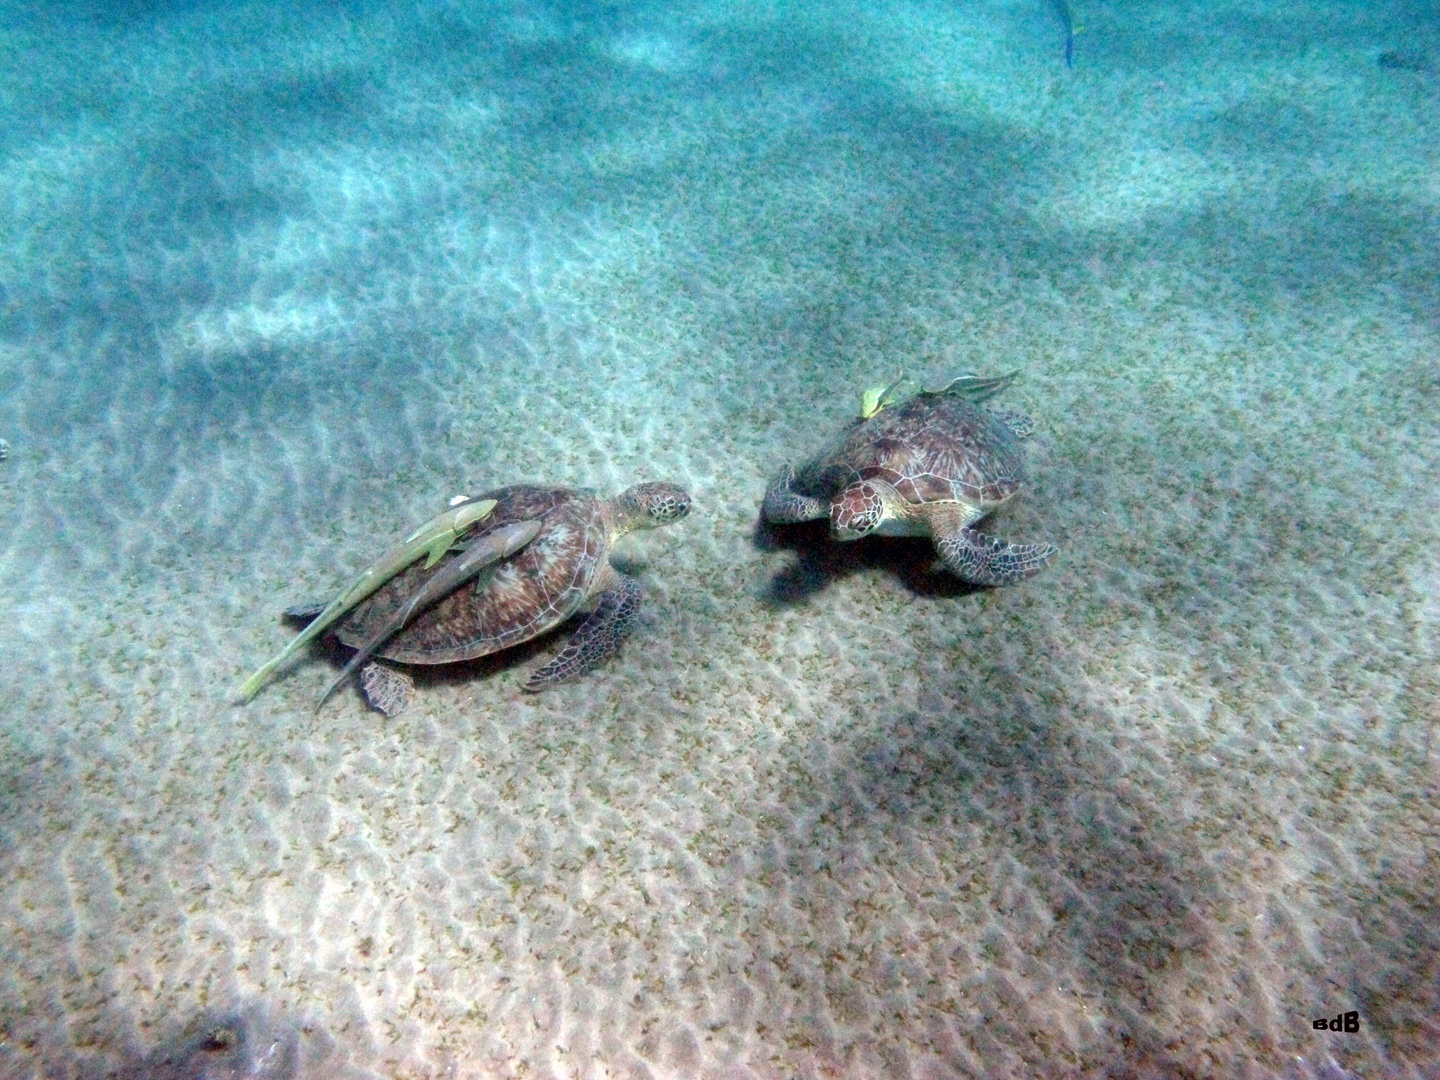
856, 511
648, 506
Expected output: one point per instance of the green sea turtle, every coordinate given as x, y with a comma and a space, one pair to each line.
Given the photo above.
499, 569
929, 465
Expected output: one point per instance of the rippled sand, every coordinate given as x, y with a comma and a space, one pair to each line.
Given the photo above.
276, 286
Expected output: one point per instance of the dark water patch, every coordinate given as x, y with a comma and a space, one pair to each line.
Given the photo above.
327, 98
185, 188
147, 472
141, 240
55, 15
1028, 829
1184, 37
776, 55
1263, 127
1310, 253
1393, 975
569, 89
137, 15
1417, 61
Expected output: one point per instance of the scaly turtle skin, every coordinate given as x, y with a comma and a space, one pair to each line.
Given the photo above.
932, 465
542, 556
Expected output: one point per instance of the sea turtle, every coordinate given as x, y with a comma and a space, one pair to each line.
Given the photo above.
929, 465
536, 555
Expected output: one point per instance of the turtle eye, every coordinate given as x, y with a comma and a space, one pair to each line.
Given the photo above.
666, 506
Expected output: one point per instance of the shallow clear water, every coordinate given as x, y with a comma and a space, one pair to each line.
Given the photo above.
277, 282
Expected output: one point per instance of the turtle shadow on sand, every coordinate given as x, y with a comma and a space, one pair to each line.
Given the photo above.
820, 560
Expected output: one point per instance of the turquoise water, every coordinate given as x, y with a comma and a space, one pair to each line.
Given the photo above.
278, 282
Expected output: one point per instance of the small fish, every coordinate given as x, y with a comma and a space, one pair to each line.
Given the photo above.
1067, 20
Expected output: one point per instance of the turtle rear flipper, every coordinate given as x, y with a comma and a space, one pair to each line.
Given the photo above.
386, 688
304, 612
598, 637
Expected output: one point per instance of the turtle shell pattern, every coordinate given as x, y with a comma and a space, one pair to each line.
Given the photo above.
934, 447
537, 588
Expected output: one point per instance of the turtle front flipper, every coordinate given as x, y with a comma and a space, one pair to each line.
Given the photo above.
986, 560
785, 506
598, 638
482, 552
1019, 423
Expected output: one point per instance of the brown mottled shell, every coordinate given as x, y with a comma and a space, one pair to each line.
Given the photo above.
533, 590
935, 447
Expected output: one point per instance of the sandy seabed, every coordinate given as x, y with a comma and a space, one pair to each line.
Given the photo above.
276, 285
